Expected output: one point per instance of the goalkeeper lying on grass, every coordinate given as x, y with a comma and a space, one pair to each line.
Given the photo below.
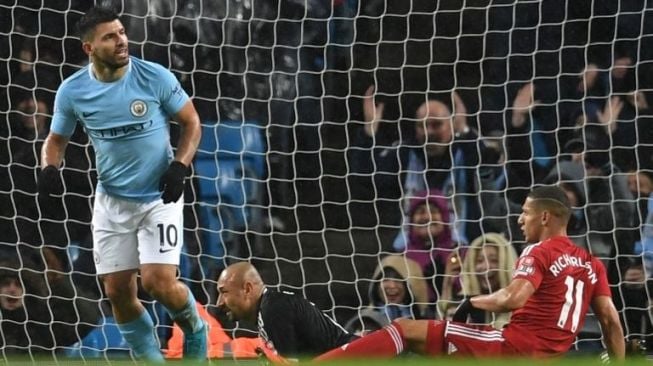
553, 285
289, 325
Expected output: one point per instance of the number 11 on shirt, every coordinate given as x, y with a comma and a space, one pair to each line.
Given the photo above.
570, 300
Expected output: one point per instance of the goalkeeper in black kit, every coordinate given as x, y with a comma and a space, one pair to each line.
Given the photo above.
289, 325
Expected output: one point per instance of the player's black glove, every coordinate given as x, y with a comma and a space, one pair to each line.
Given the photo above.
635, 346
172, 182
50, 181
463, 311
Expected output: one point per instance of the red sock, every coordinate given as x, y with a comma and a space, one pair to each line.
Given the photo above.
384, 343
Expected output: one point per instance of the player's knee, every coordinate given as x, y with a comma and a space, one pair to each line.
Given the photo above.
119, 293
158, 283
153, 285
120, 287
412, 330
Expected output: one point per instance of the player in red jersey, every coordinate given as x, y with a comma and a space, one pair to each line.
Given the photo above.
554, 283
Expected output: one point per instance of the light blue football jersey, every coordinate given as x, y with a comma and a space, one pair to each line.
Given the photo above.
127, 122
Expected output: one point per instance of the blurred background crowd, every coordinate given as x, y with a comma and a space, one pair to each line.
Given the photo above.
372, 155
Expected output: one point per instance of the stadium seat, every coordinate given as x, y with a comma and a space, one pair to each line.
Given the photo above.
104, 340
229, 166
233, 139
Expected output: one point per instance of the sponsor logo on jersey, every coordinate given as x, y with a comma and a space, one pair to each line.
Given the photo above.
120, 131
138, 108
452, 348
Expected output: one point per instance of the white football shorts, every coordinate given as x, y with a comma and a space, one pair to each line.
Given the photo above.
127, 234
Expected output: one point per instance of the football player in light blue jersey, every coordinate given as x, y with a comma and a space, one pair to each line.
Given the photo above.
124, 105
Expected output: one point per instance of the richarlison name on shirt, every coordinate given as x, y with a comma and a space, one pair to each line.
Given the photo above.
566, 260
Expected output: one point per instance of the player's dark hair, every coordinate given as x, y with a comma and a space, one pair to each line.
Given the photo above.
553, 199
93, 17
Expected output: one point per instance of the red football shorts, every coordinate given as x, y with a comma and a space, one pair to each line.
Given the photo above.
468, 340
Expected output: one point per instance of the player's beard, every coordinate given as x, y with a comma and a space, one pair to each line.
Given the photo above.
112, 62
233, 317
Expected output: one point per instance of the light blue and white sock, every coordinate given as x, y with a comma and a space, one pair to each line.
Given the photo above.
139, 333
188, 318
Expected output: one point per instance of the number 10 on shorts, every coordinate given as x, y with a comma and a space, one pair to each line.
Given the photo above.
168, 237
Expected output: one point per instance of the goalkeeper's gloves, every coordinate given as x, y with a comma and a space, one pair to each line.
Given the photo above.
50, 181
463, 311
172, 182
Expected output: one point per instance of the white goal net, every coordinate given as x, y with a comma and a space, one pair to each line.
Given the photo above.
344, 142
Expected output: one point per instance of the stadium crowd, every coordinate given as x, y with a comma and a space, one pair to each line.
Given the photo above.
428, 137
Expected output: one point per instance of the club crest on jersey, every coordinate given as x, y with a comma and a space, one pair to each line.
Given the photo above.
525, 266
138, 108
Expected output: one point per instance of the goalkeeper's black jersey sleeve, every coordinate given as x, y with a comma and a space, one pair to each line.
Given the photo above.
293, 326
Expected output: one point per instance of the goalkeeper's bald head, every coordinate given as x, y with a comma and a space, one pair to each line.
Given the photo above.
240, 287
244, 272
